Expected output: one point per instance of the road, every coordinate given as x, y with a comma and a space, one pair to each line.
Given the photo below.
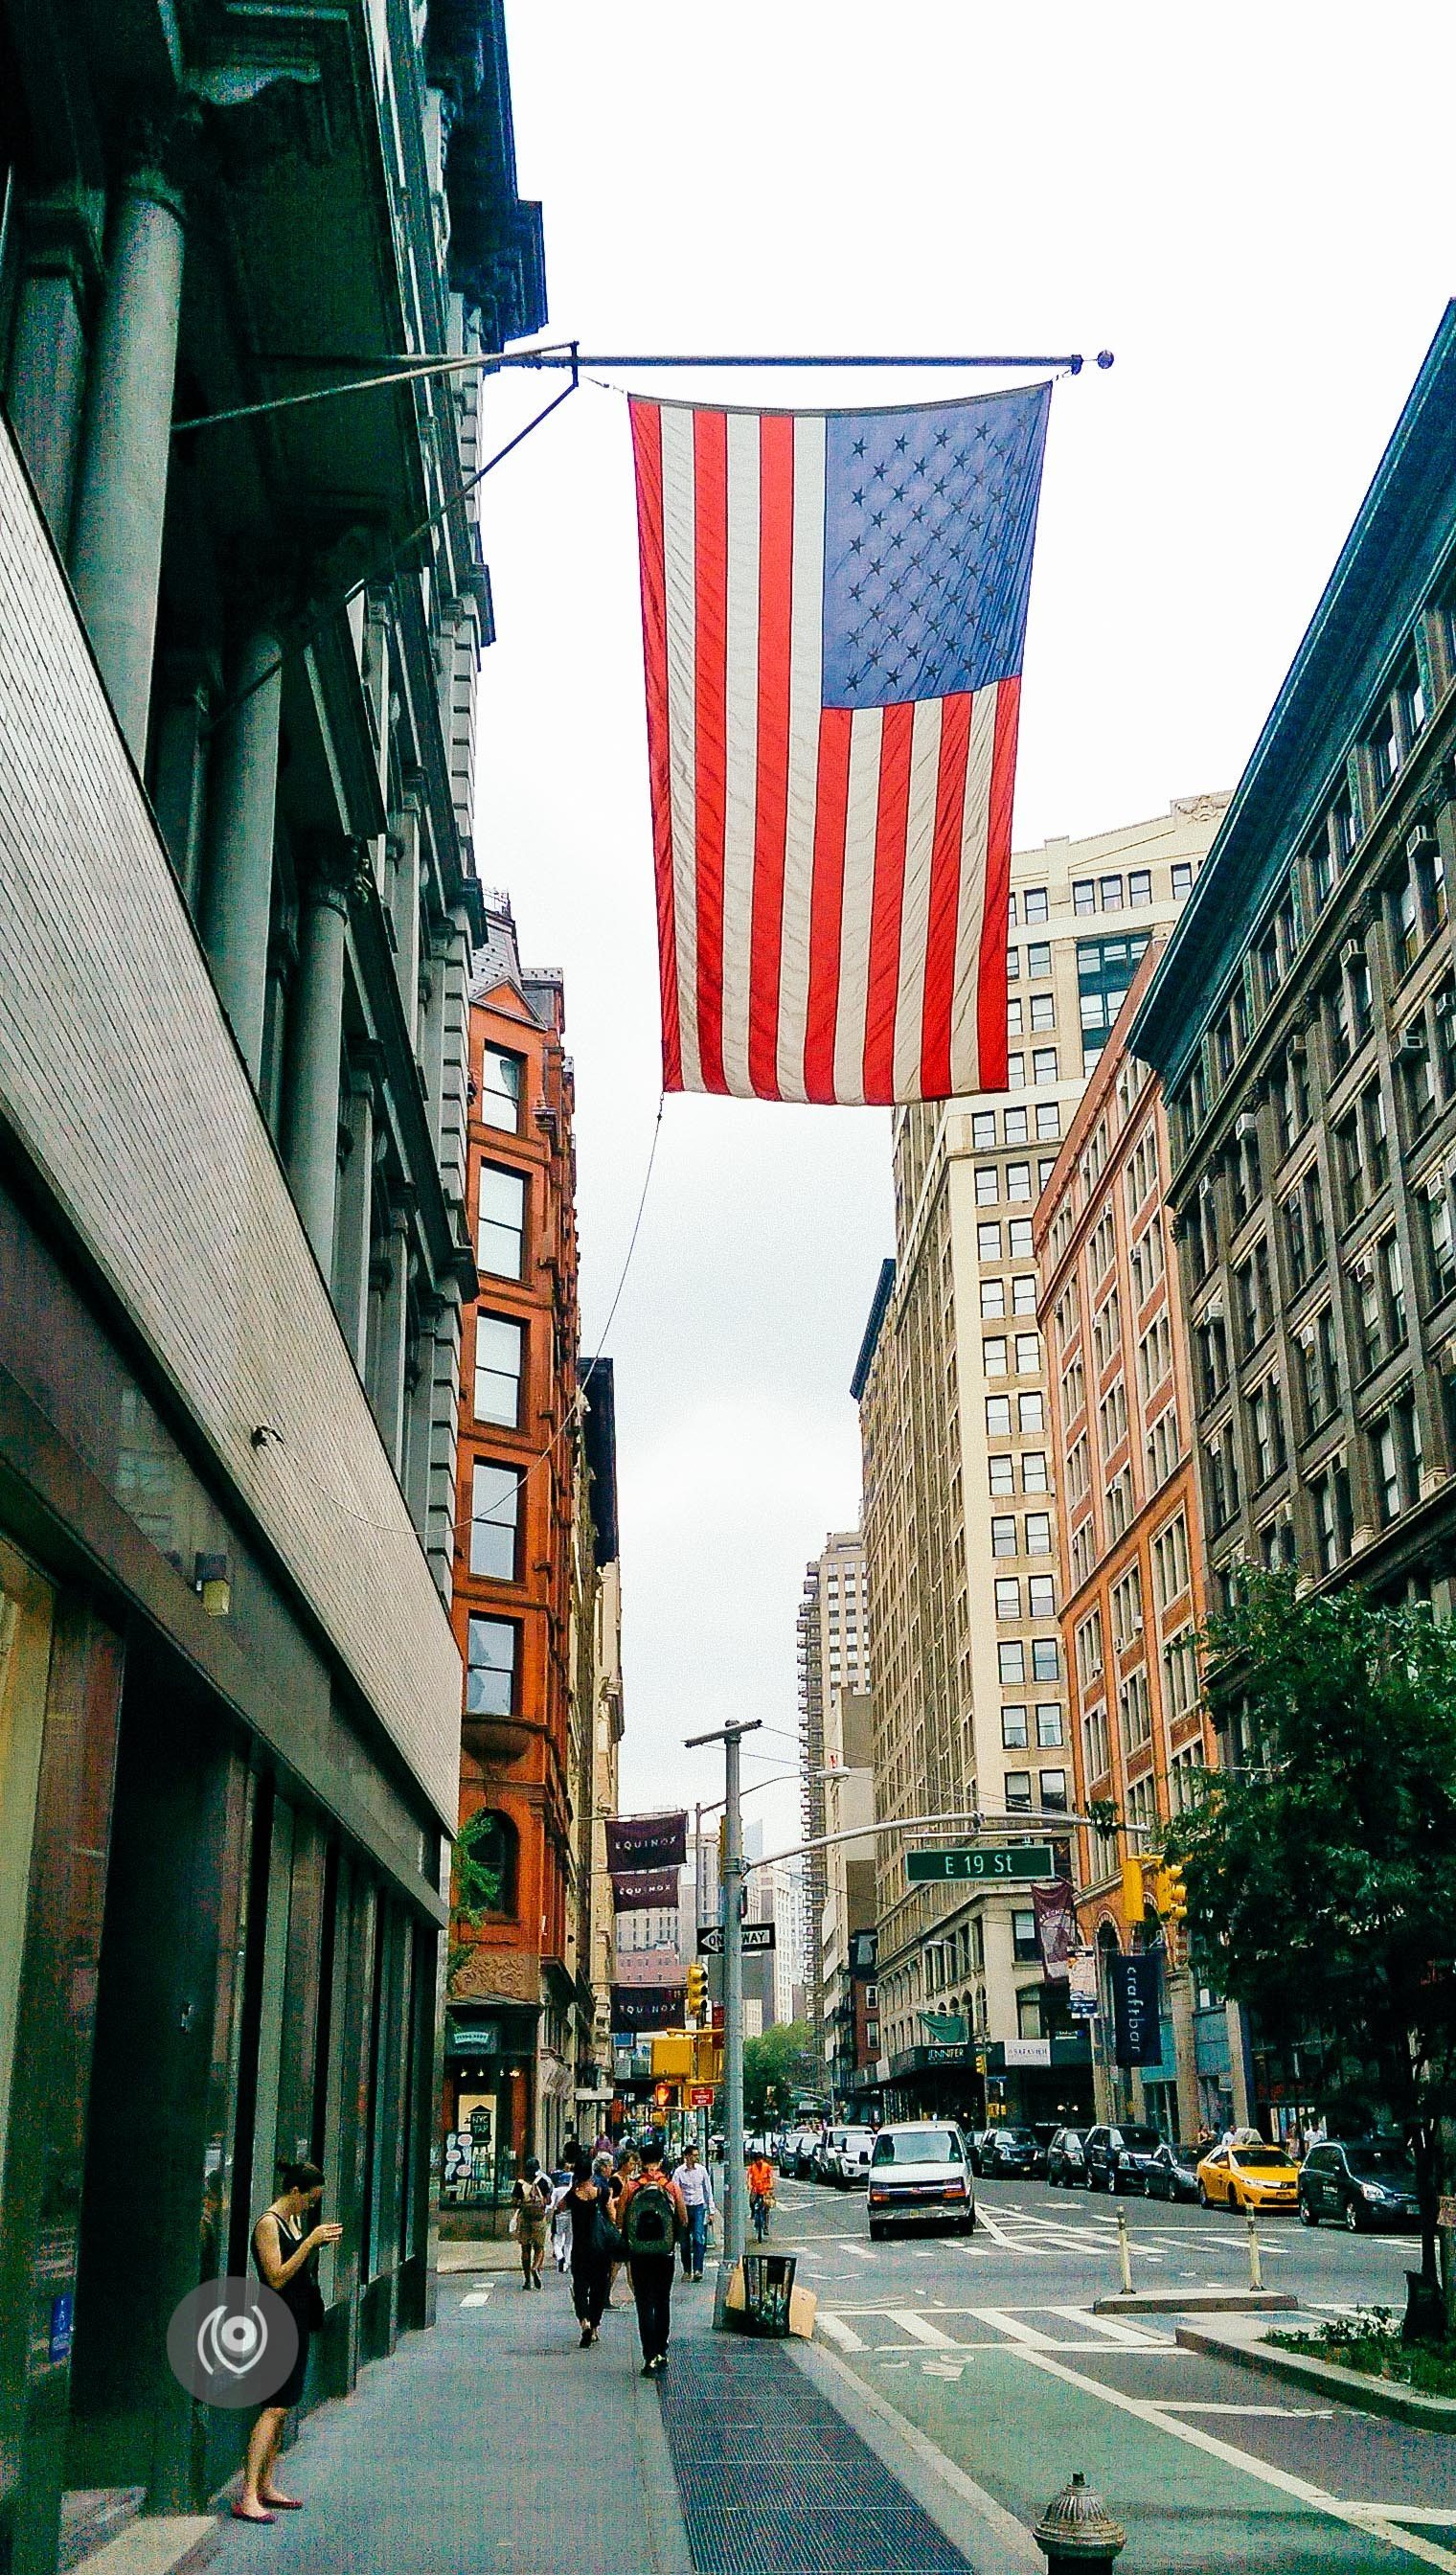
988, 2346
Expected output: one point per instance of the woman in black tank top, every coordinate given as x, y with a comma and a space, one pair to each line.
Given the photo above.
285, 2253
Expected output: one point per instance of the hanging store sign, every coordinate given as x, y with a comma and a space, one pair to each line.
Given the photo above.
645, 1890
1136, 2037
1057, 1926
646, 2007
646, 1841
983, 1863
1082, 1985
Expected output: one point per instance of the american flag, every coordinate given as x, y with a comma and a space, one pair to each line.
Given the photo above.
833, 615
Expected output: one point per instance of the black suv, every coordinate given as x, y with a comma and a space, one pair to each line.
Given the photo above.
1372, 2181
1119, 2159
1009, 2154
1065, 2161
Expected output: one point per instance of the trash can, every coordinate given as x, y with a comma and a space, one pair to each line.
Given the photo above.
767, 2288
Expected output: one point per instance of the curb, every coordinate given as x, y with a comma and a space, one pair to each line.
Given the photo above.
1346, 2386
1211, 2302
972, 2520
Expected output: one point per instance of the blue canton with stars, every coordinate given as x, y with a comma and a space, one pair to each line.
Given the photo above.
929, 521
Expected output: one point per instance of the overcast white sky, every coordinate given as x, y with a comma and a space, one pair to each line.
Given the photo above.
1253, 207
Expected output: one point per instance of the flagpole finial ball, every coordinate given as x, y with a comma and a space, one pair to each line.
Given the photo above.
1104, 358
1074, 365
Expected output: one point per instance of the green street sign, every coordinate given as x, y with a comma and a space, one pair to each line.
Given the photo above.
993, 1862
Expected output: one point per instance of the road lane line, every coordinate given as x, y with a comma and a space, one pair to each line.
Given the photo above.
862, 2250
1108, 2326
1287, 2413
1014, 2330
919, 2328
844, 2335
1147, 2410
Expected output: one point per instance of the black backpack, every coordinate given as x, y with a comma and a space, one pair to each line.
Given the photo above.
650, 2222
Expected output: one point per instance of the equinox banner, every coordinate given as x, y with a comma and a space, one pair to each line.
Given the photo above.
646, 2007
635, 1843
645, 1890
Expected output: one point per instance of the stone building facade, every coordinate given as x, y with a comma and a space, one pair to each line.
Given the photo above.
833, 1628
1303, 1025
961, 1478
237, 905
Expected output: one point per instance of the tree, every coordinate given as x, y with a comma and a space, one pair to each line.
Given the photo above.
1321, 1865
475, 1886
775, 2064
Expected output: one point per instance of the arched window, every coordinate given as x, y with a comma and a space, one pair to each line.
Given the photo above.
497, 1848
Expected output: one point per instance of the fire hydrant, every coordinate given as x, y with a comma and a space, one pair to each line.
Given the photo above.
1076, 2533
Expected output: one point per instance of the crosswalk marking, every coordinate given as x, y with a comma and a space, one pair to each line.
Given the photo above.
844, 2335
919, 2328
1107, 2326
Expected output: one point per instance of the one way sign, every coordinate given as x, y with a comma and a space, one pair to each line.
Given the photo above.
756, 1936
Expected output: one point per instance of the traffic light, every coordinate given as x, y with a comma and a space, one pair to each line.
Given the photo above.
696, 1990
1134, 1897
1176, 1907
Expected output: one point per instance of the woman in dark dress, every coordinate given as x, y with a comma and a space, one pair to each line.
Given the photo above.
286, 2254
589, 2204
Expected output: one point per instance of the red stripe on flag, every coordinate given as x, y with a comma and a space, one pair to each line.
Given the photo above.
892, 816
944, 901
709, 483
646, 442
827, 902
776, 591
991, 981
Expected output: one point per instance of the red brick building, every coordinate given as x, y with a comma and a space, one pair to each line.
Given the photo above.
519, 1999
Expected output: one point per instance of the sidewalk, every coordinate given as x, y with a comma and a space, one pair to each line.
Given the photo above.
492, 2442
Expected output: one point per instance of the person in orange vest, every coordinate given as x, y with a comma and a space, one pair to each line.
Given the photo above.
761, 2193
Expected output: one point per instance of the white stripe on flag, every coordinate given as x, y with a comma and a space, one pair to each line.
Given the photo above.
867, 730
806, 688
964, 1009
679, 552
740, 786
910, 1010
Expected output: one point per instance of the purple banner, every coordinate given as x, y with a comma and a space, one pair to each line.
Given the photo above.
646, 1841
646, 2007
645, 1890
1057, 1927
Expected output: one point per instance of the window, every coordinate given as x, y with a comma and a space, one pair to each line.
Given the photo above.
1053, 1791
1014, 1736
1266, 1428
1049, 1121
503, 1221
1097, 1743
1331, 1496
1014, 1015
987, 1184
989, 1242
1293, 1099
1045, 1660
1180, 1674
1000, 1472
1171, 1563
1043, 1064
1440, 1247
1039, 959
1029, 1408
1386, 1461
1126, 1603
1042, 1595
1024, 1944
992, 1297
495, 1516
1139, 887
1386, 750
1033, 1472
1008, 1595
1164, 1446
1015, 1126
1318, 1373
993, 1355
1323, 866
1018, 1239
1033, 904
489, 1689
1110, 893
1018, 1180
999, 1415
1043, 1011
501, 1090
1182, 881
1105, 967
1087, 1647
1014, 964
1135, 1707
496, 1850
1003, 1535
1084, 895
499, 1346
1011, 1656
1018, 1798
1039, 1534
1350, 1149
983, 1131
1049, 1728
1015, 1073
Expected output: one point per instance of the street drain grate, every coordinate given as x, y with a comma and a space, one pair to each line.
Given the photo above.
774, 2481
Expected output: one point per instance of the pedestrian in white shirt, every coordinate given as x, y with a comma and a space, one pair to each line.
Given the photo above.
695, 2184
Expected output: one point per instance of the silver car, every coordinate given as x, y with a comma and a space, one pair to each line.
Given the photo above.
920, 2175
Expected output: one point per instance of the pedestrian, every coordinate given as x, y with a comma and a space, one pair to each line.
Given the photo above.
695, 2181
529, 2201
286, 2256
761, 2193
608, 2185
591, 2236
652, 2216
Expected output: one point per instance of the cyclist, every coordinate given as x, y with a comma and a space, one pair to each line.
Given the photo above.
761, 2193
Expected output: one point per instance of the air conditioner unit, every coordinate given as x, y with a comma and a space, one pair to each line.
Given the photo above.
1422, 836
1364, 1266
1413, 1038
1245, 1123
1307, 1336
1350, 951
1446, 999
1299, 1047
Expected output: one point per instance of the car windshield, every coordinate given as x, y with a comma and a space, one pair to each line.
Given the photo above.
1143, 2141
919, 2147
1259, 2157
1018, 2136
1380, 2163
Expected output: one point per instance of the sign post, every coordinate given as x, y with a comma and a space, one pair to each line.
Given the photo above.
731, 1927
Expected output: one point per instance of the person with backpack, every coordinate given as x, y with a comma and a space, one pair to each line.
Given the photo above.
531, 2199
592, 2237
652, 2216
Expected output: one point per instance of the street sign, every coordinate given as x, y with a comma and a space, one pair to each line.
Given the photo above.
755, 1936
983, 1861
700, 2098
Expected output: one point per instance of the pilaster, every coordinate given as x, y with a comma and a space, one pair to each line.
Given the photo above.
312, 1122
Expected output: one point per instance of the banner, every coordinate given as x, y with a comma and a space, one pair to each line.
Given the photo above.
646, 2007
946, 2029
1081, 1990
646, 1841
645, 1890
1136, 2037
1057, 1926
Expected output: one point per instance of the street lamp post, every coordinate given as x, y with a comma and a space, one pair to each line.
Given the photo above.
733, 2214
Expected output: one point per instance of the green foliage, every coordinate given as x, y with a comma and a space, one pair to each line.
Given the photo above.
475, 1886
781, 2061
1321, 1869
1371, 2342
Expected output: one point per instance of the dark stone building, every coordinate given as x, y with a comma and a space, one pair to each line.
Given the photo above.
237, 908
1304, 1025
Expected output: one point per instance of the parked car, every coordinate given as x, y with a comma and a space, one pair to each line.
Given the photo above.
1066, 2162
1119, 2159
1365, 2182
825, 2149
1235, 2177
798, 2152
1043, 2131
1012, 2155
979, 2150
852, 2156
920, 2175
1173, 2173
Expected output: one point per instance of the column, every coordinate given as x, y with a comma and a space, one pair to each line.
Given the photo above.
406, 901
419, 1415
237, 908
179, 773
60, 263
121, 498
318, 1037
351, 1240
389, 1387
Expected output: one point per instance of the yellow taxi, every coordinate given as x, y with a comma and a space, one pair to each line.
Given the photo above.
1248, 2176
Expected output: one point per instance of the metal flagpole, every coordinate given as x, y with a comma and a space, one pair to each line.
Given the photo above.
734, 2229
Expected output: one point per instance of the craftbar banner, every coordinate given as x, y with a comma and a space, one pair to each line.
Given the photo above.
1136, 2037
646, 1841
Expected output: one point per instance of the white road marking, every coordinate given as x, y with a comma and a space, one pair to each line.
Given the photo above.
1288, 2413
923, 2252
921, 2328
476, 2298
844, 2335
1108, 2327
1147, 2410
942, 2368
864, 2251
1405, 2512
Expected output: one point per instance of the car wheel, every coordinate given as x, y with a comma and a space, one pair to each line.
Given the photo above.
1354, 2219
1203, 2199
1307, 2216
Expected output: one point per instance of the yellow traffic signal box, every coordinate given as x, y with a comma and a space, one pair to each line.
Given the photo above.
1134, 1898
673, 2057
696, 1990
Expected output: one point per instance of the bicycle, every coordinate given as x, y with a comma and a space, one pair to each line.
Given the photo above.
760, 2205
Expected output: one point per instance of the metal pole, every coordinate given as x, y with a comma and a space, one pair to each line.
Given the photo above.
733, 2230
1256, 2274
1125, 2252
